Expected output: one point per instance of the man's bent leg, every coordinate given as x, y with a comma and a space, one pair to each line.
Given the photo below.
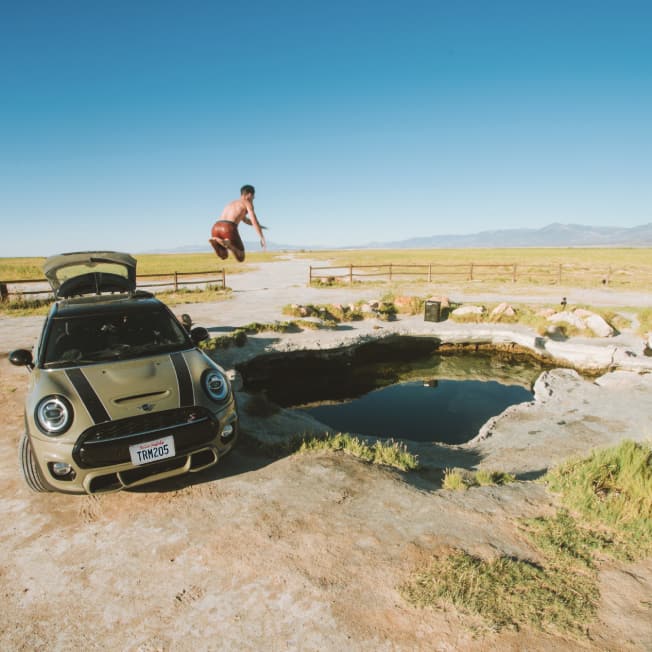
219, 249
237, 252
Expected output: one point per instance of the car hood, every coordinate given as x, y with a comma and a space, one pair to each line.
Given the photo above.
90, 272
117, 390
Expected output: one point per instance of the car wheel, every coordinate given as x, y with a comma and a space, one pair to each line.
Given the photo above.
30, 470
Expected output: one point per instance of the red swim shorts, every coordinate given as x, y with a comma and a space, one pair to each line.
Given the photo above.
227, 230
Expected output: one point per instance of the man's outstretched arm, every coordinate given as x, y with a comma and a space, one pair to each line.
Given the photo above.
252, 220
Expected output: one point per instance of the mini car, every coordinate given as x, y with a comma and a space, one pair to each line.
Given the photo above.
119, 393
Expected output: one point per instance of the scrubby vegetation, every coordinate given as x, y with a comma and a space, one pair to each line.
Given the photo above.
387, 453
238, 337
607, 511
460, 479
645, 321
611, 489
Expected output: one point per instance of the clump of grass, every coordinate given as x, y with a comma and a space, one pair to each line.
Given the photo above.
386, 311
276, 327
617, 321
22, 306
387, 453
564, 541
645, 321
484, 477
457, 480
613, 488
313, 325
507, 592
328, 282
462, 479
329, 314
237, 338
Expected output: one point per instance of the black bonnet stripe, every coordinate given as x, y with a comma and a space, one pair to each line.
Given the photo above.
88, 396
186, 393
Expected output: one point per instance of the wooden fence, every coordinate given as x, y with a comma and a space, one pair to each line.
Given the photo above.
553, 274
172, 282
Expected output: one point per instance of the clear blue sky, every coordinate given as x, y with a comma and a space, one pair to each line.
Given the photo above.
128, 125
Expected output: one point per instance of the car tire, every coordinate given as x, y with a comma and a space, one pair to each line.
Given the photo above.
29, 467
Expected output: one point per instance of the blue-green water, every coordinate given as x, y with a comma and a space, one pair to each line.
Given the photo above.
447, 411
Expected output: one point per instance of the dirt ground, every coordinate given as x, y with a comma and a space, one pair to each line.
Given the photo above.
294, 552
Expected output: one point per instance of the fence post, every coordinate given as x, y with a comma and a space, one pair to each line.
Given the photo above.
471, 272
350, 273
176, 282
608, 279
514, 273
223, 279
429, 272
4, 292
390, 271
310, 275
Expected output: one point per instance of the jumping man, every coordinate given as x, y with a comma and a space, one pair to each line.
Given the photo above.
224, 234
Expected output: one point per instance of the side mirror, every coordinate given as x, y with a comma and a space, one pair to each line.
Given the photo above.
198, 334
21, 358
186, 321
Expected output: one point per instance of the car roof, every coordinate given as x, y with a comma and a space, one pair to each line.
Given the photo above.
79, 307
90, 272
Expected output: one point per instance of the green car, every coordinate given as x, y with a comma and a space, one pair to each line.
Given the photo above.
119, 393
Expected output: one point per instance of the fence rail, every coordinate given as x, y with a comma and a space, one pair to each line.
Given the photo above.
553, 274
173, 281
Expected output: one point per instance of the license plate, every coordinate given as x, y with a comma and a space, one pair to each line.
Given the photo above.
152, 451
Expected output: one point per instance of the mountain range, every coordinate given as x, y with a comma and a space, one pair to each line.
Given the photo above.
553, 235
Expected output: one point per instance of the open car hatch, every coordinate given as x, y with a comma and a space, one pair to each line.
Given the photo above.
90, 272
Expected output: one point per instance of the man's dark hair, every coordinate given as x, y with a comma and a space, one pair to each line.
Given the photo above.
245, 189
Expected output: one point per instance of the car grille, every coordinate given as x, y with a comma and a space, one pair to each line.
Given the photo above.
105, 444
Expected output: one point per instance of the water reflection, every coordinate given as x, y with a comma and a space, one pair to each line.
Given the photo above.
449, 411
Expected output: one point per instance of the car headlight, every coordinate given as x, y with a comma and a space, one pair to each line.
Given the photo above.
215, 385
53, 415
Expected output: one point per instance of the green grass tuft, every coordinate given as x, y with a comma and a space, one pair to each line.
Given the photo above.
506, 592
565, 542
462, 479
613, 488
387, 453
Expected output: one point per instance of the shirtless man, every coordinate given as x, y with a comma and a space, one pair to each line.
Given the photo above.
224, 234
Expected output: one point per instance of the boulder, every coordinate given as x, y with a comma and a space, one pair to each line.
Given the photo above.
567, 317
463, 311
502, 310
599, 326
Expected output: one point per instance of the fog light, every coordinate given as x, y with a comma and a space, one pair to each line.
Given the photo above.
60, 469
228, 431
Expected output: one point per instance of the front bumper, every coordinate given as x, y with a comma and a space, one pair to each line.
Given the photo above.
100, 459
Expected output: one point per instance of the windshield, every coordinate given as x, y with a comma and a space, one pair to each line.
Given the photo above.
114, 336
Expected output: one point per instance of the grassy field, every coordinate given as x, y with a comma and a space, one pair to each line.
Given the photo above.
618, 257
633, 260
32, 268
619, 268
